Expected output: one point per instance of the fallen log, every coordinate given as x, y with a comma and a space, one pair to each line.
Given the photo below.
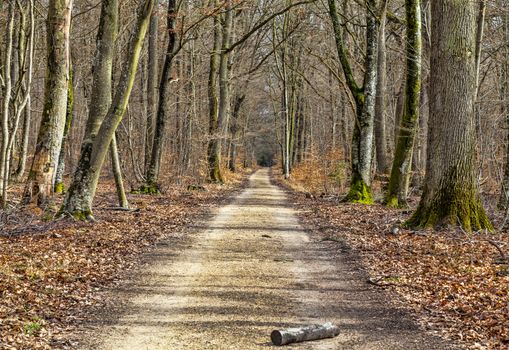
297, 335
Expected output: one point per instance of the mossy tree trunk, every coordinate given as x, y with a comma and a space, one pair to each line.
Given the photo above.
100, 102
401, 166
451, 193
151, 186
219, 90
214, 144
365, 96
41, 178
78, 202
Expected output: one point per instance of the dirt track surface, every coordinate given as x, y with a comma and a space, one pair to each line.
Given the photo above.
250, 269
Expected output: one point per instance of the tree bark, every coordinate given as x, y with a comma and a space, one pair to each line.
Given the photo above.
117, 173
298, 335
213, 161
382, 163
23, 152
362, 140
7, 92
41, 179
151, 186
79, 193
219, 101
401, 166
504, 191
59, 176
79, 199
152, 84
234, 130
451, 192
21, 104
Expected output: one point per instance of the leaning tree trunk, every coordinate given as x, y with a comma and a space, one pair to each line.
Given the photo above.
41, 178
362, 140
401, 166
451, 193
151, 186
99, 105
79, 199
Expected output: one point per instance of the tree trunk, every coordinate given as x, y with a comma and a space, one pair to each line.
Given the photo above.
78, 195
362, 140
21, 98
41, 179
79, 199
213, 160
151, 84
7, 92
401, 166
451, 193
117, 173
382, 164
234, 130
151, 186
219, 102
504, 191
27, 119
59, 176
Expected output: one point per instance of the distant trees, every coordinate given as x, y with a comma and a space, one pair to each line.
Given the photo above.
338, 92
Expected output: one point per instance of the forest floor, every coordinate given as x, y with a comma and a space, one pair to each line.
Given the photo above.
220, 269
52, 272
249, 269
456, 283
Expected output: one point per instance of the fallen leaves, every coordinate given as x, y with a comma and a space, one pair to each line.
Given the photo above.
457, 282
51, 272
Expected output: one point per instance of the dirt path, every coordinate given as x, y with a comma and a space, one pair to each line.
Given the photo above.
252, 269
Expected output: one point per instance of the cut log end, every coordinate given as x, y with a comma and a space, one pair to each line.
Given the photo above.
276, 337
308, 333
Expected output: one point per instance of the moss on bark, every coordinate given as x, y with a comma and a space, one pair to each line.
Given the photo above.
458, 206
83, 215
148, 188
59, 188
359, 192
392, 201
